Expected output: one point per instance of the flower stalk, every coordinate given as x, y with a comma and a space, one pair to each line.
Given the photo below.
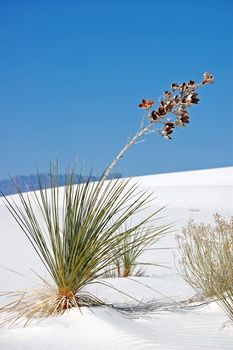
176, 102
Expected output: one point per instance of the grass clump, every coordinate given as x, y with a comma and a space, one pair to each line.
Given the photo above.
76, 236
207, 260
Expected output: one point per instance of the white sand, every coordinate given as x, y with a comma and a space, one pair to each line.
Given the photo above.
196, 194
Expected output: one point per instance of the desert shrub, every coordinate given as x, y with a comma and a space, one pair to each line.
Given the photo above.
207, 260
77, 243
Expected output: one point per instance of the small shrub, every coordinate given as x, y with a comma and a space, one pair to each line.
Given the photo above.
207, 260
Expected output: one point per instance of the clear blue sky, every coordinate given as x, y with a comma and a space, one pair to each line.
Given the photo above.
73, 72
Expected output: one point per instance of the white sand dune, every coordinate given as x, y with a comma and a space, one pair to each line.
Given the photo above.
206, 177
196, 194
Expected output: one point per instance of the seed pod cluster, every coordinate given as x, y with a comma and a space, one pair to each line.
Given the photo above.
177, 102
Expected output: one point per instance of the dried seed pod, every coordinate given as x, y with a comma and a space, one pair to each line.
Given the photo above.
146, 104
169, 106
169, 124
191, 98
183, 87
169, 131
165, 135
192, 85
208, 78
181, 111
185, 119
176, 99
174, 86
194, 98
179, 123
167, 94
154, 116
162, 111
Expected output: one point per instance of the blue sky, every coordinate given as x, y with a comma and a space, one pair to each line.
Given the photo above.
73, 72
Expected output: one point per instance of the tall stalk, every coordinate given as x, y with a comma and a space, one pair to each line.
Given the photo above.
174, 102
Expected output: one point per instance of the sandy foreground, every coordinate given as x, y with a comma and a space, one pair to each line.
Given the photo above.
155, 323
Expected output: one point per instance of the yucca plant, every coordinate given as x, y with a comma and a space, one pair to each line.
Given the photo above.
77, 242
131, 248
207, 260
